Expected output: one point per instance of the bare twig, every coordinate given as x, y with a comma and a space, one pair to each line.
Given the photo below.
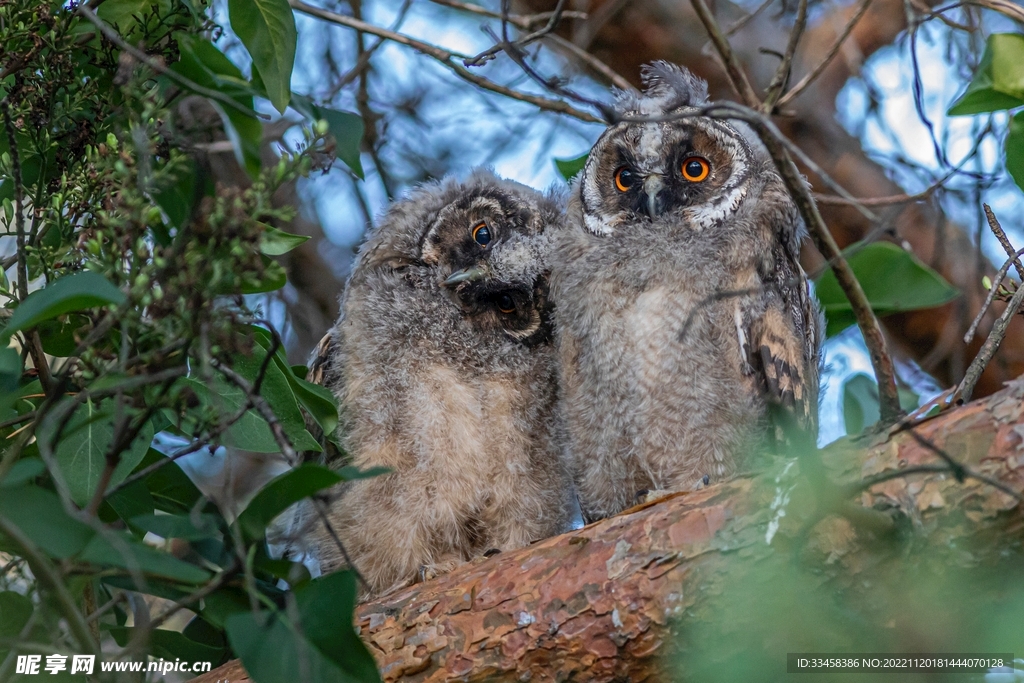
992, 293
782, 73
989, 348
733, 68
446, 58
804, 82
997, 230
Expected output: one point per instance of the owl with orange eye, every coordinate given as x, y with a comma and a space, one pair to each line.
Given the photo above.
444, 367
686, 329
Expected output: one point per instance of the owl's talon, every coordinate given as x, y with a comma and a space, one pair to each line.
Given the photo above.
492, 552
641, 496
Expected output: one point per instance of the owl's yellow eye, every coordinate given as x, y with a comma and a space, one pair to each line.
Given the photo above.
506, 304
482, 234
696, 169
624, 179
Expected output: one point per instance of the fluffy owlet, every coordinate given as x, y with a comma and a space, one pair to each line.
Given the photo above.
682, 314
444, 365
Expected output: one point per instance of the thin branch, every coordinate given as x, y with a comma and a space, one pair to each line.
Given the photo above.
733, 68
997, 230
525, 21
489, 54
782, 73
802, 84
446, 58
264, 409
47, 574
989, 348
992, 293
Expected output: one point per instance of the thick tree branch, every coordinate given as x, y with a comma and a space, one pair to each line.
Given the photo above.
608, 602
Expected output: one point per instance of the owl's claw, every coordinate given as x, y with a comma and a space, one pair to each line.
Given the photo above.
492, 552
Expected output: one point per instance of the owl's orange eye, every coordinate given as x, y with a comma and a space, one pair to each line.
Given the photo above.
624, 179
482, 234
506, 304
696, 169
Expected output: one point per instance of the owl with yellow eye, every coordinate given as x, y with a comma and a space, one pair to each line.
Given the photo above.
684, 322
444, 366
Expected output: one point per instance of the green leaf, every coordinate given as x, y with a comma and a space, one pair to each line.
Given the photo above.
276, 242
81, 452
130, 502
347, 130
999, 82
128, 553
352, 473
40, 515
75, 292
250, 634
15, 610
267, 29
178, 194
274, 278
320, 602
860, 402
11, 369
1015, 149
281, 493
171, 645
170, 487
318, 401
58, 335
179, 526
893, 280
23, 472
207, 66
570, 167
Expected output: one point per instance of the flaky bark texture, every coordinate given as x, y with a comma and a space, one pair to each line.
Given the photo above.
607, 602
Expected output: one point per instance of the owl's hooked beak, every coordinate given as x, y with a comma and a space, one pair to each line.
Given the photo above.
467, 275
653, 185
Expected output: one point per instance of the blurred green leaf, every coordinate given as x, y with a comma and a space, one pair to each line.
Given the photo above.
40, 516
999, 82
170, 487
267, 29
249, 634
131, 502
320, 602
860, 402
276, 242
1015, 149
23, 472
15, 610
274, 278
58, 335
207, 66
893, 279
75, 292
352, 473
177, 196
172, 645
570, 167
281, 493
188, 527
10, 374
118, 549
81, 452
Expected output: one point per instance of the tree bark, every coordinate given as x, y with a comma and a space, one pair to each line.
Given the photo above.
607, 602
627, 34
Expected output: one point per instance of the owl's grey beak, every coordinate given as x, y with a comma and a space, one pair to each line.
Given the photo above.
467, 275
653, 186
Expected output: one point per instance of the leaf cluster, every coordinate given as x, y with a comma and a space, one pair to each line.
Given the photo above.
125, 275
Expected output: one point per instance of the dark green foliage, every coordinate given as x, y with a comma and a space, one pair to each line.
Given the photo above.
138, 263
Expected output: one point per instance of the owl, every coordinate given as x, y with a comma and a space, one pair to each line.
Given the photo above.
444, 365
683, 318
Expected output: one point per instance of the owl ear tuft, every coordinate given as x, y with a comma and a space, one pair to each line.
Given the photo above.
671, 85
663, 79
